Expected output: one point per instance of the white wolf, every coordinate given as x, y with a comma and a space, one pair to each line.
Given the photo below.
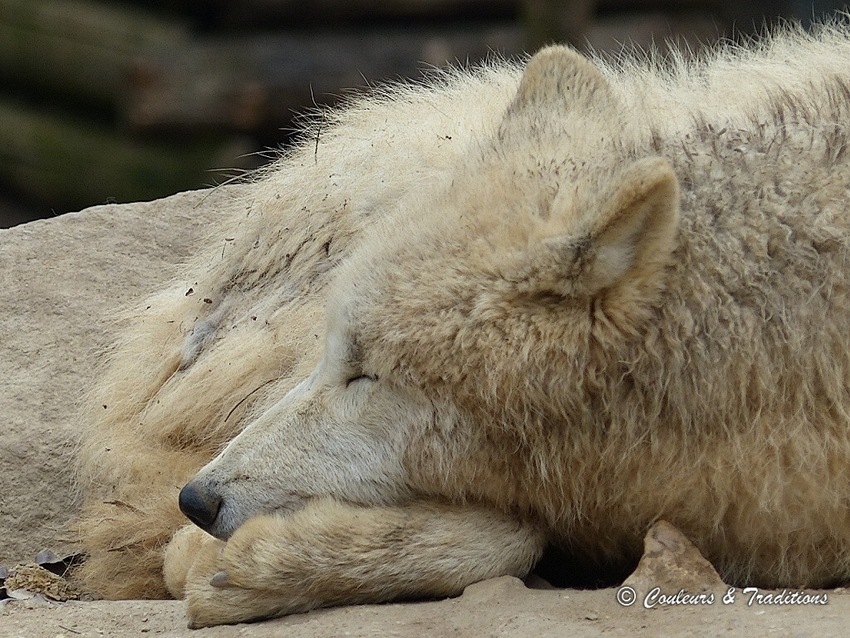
505, 308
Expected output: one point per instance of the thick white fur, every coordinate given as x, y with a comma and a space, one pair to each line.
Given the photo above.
496, 310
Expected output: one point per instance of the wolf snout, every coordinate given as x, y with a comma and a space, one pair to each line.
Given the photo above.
199, 504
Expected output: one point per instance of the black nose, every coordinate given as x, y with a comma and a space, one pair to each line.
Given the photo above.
199, 505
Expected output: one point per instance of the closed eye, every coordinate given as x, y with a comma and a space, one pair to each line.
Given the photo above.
360, 377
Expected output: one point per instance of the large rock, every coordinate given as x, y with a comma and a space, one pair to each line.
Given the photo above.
63, 280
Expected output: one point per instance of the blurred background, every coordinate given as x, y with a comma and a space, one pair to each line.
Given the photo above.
121, 100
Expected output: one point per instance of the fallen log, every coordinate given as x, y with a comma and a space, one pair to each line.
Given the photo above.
77, 48
255, 83
69, 164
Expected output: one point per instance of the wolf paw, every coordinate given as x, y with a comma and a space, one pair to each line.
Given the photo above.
244, 579
186, 547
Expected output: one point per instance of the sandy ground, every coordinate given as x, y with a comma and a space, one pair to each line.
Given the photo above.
499, 607
62, 279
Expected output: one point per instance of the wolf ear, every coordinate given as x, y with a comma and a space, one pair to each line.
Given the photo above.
634, 232
613, 248
557, 75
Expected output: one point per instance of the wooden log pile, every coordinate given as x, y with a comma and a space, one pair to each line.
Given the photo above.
103, 100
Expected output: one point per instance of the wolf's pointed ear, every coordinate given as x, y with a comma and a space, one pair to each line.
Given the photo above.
612, 247
558, 75
634, 232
